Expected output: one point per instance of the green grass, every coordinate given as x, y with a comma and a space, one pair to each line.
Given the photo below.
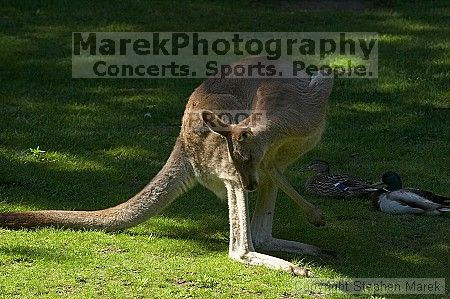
100, 150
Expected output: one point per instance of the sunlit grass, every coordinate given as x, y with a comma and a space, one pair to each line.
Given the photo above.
103, 140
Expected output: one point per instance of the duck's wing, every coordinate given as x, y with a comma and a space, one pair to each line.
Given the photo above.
387, 205
348, 183
340, 185
323, 186
413, 199
439, 199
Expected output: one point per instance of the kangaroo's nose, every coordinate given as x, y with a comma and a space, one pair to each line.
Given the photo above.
251, 186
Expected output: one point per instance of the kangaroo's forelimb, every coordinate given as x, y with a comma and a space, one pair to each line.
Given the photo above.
313, 214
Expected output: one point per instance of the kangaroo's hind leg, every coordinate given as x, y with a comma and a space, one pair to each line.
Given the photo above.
241, 247
261, 225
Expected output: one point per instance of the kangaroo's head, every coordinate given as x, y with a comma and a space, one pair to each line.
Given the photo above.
243, 147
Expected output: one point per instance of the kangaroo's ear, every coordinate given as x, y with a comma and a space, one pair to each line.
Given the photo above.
214, 122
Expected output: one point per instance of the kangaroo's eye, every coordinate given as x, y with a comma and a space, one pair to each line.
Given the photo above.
243, 136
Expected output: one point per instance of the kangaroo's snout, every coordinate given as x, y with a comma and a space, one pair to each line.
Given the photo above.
250, 184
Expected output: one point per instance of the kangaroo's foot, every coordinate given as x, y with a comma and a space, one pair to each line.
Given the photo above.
274, 244
259, 259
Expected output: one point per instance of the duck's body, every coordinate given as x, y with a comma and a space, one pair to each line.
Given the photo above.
338, 185
397, 200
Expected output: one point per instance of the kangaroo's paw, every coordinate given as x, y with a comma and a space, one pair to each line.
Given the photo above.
258, 259
274, 244
316, 217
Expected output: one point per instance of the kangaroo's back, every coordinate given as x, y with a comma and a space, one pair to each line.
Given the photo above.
291, 107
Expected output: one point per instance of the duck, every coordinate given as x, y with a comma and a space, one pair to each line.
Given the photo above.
335, 185
396, 200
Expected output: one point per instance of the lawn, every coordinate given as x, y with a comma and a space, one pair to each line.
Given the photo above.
97, 148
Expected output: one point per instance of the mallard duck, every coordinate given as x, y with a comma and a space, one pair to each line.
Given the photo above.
394, 199
336, 185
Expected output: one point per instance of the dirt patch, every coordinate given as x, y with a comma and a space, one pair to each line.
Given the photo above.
321, 5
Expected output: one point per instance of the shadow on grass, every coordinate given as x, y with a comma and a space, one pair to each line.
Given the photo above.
26, 254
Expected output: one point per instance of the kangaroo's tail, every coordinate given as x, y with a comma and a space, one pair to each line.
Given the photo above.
175, 178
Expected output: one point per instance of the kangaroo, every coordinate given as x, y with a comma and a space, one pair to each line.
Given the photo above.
230, 159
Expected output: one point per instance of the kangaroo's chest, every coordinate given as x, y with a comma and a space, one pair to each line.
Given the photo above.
287, 151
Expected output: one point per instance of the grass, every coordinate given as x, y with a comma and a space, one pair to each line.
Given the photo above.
85, 144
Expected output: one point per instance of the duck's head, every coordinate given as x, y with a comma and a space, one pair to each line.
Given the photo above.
392, 180
319, 166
